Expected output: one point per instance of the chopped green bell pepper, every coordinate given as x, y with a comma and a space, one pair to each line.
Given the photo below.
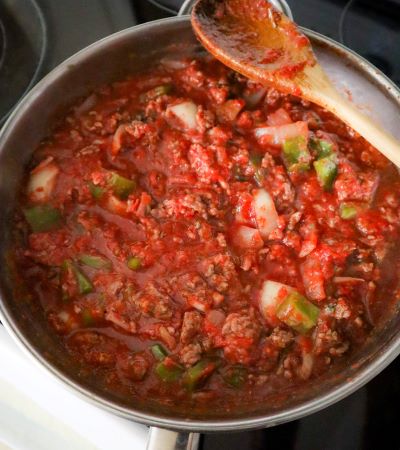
195, 376
235, 376
87, 318
134, 263
347, 211
296, 155
96, 262
168, 370
96, 191
259, 176
121, 186
298, 312
164, 89
43, 218
322, 147
84, 284
159, 352
256, 159
259, 172
327, 169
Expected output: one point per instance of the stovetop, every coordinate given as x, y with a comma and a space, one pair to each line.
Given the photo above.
57, 29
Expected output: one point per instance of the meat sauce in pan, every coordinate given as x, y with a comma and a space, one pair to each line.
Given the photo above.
194, 237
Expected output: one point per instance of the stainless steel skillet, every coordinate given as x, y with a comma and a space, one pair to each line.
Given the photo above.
131, 51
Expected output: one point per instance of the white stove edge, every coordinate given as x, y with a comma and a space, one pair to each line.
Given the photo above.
38, 413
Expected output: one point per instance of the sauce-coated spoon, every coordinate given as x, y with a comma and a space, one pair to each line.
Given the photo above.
256, 40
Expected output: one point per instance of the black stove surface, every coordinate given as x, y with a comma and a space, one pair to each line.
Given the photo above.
366, 419
370, 27
23, 44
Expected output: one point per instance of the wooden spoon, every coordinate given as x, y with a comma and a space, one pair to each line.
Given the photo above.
256, 40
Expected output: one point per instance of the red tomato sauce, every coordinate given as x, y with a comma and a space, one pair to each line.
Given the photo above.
159, 222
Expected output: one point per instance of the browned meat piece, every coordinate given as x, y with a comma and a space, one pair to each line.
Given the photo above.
281, 338
120, 309
133, 366
241, 331
190, 354
329, 341
123, 315
240, 325
278, 184
94, 348
353, 185
191, 326
219, 270
197, 293
313, 278
154, 303
49, 248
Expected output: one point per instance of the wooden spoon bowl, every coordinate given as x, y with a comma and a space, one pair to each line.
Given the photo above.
256, 40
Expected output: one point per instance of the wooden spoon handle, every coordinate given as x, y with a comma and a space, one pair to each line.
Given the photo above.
321, 91
366, 127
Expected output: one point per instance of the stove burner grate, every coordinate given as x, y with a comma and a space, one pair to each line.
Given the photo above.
23, 44
372, 29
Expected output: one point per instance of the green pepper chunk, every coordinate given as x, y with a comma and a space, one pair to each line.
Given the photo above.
259, 172
347, 211
235, 376
66, 274
168, 370
298, 312
87, 318
159, 352
327, 170
134, 263
121, 186
322, 147
84, 284
96, 191
43, 218
256, 159
259, 176
198, 374
96, 262
164, 89
296, 155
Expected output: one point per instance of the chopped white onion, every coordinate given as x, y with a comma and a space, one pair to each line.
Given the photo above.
247, 237
278, 118
86, 105
306, 367
186, 113
347, 280
167, 338
42, 181
115, 205
63, 316
174, 63
254, 98
117, 139
198, 304
277, 135
216, 317
265, 211
272, 294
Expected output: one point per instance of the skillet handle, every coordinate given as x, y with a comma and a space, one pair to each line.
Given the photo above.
160, 439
